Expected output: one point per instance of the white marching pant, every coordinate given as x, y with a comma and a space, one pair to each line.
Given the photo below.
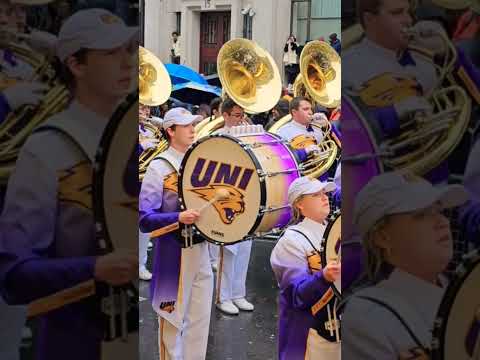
13, 321
213, 252
319, 348
189, 342
143, 240
233, 266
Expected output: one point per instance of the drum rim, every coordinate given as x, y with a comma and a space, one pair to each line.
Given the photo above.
323, 253
368, 129
99, 169
439, 329
263, 190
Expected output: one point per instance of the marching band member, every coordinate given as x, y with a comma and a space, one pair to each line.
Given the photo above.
48, 240
408, 244
182, 284
301, 124
233, 259
406, 76
303, 280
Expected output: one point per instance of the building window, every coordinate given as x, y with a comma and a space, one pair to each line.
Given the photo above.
179, 23
314, 19
210, 31
247, 26
226, 29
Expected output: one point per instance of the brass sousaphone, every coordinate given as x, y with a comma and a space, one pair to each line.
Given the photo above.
20, 123
319, 81
154, 89
249, 76
426, 140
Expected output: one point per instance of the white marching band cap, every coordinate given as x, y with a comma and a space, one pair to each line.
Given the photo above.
306, 186
179, 116
96, 29
158, 122
394, 193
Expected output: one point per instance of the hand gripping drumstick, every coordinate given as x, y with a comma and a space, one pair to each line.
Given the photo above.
220, 194
87, 288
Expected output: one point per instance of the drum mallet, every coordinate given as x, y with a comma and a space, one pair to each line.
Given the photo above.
220, 194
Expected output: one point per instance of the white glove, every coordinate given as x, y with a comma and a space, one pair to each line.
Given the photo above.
42, 42
312, 149
158, 122
319, 118
24, 93
413, 105
428, 36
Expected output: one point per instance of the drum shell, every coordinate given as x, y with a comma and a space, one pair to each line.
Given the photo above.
262, 154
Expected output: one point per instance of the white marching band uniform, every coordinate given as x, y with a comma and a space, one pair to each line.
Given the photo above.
387, 337
183, 333
293, 258
383, 61
293, 129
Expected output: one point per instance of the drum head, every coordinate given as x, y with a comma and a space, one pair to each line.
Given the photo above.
457, 328
116, 180
219, 163
331, 249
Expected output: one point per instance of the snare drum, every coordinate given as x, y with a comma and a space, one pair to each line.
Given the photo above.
115, 189
330, 249
456, 334
255, 169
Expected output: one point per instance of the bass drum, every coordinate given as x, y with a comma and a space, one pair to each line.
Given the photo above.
255, 169
360, 160
456, 334
115, 189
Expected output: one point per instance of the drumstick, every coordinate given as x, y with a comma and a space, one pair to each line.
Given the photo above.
220, 194
61, 298
87, 288
337, 335
329, 320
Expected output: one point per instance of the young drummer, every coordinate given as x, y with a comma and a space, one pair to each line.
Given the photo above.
182, 285
303, 280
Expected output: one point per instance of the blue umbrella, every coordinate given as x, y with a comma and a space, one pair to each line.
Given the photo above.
195, 93
181, 74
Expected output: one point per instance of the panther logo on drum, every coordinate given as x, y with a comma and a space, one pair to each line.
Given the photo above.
227, 209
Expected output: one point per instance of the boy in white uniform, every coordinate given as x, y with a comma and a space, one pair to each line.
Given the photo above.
182, 284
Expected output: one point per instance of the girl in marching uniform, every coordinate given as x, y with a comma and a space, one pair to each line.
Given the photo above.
408, 243
303, 280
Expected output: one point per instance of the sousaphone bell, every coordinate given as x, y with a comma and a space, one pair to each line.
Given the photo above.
249, 76
155, 87
320, 82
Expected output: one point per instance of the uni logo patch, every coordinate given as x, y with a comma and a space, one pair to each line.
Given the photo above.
168, 306
302, 141
388, 89
227, 209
